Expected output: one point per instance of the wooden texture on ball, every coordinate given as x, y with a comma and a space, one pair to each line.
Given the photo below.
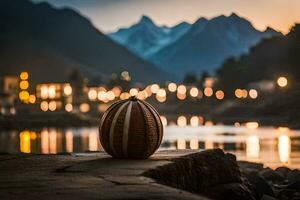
131, 129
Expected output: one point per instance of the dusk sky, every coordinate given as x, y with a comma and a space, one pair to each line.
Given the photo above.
109, 15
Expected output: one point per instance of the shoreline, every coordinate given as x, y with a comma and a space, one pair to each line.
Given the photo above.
194, 175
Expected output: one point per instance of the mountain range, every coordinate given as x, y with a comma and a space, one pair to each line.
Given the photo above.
188, 48
50, 43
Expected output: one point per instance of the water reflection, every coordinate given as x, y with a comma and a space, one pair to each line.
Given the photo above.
25, 142
284, 148
268, 145
252, 146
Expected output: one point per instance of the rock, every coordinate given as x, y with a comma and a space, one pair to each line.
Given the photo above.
232, 191
293, 176
211, 173
294, 186
272, 176
267, 197
245, 165
283, 171
259, 183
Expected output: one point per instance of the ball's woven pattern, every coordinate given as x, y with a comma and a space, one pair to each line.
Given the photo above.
130, 129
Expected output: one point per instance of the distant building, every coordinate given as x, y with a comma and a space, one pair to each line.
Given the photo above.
54, 96
9, 86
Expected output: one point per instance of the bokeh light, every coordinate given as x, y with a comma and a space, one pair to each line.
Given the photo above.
253, 93
282, 81
172, 87
69, 107
164, 120
154, 88
24, 75
194, 92
84, 107
44, 106
181, 89
24, 85
133, 91
208, 91
92, 94
52, 105
68, 90
181, 121
220, 94
194, 121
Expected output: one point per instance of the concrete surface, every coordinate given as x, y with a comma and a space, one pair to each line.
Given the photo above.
84, 176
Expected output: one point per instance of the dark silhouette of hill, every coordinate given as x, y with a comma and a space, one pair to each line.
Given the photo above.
270, 59
50, 43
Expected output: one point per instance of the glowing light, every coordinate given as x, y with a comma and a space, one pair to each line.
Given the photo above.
25, 142
24, 95
284, 148
161, 99
68, 90
252, 147
245, 93
181, 121
116, 91
24, 75
209, 123
181, 144
52, 105
194, 92
102, 95
208, 91
181, 89
69, 141
172, 87
92, 94
24, 85
220, 94
51, 91
102, 107
93, 141
69, 107
84, 107
238, 93
44, 106
253, 93
32, 99
194, 121
161, 95
282, 81
164, 120
142, 95
44, 142
283, 129
125, 76
124, 95
154, 88
110, 95
181, 96
44, 92
133, 91
194, 143
252, 125
237, 124
33, 135
53, 142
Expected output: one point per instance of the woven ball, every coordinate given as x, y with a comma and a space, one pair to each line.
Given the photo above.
130, 129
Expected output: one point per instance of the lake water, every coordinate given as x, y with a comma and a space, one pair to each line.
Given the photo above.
272, 146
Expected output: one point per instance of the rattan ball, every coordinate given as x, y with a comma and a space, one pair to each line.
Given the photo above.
130, 129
